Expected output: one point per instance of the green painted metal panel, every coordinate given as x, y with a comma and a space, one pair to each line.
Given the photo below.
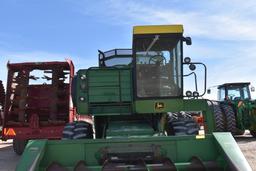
101, 86
69, 152
32, 156
219, 147
81, 92
111, 109
109, 85
128, 129
148, 106
230, 148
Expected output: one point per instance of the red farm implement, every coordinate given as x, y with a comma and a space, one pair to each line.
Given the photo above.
38, 101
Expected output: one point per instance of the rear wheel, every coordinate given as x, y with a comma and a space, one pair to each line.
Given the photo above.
19, 145
218, 117
230, 118
77, 130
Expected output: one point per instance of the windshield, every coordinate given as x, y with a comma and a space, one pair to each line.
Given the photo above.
238, 93
158, 66
234, 93
118, 61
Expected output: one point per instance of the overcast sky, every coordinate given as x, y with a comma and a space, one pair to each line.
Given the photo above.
223, 32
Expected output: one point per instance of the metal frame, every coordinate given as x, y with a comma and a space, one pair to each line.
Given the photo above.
104, 58
52, 131
205, 75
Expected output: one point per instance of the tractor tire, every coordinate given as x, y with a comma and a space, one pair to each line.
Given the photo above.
68, 131
230, 118
77, 130
219, 118
184, 127
19, 146
253, 133
83, 130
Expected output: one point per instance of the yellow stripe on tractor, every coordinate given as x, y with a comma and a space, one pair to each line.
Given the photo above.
158, 29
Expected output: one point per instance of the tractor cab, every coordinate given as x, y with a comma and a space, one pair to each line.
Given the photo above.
234, 91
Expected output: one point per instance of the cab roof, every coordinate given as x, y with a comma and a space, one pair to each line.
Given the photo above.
234, 84
157, 29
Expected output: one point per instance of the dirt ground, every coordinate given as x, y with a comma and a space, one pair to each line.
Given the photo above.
8, 159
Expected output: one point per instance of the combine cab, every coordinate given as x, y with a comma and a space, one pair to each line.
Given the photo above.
142, 119
38, 102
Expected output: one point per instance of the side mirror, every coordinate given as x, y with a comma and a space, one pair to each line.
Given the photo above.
208, 91
252, 89
188, 40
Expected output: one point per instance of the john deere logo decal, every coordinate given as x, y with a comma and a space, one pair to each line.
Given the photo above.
159, 105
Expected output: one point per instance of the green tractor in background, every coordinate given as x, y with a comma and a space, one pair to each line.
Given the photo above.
142, 118
238, 107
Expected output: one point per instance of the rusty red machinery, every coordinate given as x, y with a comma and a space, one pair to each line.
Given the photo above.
38, 101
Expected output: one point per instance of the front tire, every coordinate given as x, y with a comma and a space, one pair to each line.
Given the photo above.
19, 145
77, 130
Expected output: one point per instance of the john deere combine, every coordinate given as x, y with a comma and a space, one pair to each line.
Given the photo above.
142, 120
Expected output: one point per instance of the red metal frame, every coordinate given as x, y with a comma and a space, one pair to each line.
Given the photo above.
33, 127
72, 110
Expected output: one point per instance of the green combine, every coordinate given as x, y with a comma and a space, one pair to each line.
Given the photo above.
141, 118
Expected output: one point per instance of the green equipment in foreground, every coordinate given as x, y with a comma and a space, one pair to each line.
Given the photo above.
238, 107
142, 119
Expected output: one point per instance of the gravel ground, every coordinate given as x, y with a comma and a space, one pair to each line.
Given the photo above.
248, 146
8, 159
